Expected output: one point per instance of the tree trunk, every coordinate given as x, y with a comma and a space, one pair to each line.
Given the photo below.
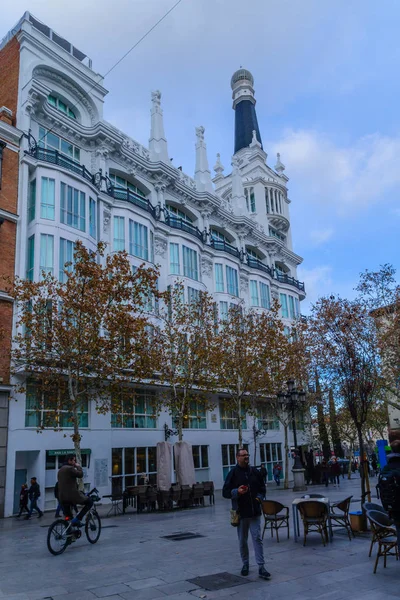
350, 461
180, 427
240, 431
76, 437
286, 480
362, 472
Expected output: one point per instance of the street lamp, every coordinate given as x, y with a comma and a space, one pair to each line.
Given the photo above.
292, 401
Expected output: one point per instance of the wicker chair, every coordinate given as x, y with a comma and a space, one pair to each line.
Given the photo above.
198, 494
315, 517
373, 506
384, 535
342, 519
164, 499
175, 494
276, 515
186, 497
209, 490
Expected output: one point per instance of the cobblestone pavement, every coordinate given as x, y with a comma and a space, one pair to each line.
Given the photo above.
132, 561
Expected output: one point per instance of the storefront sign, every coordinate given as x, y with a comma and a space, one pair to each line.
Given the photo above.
65, 452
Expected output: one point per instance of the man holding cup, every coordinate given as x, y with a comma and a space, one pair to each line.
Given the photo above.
244, 485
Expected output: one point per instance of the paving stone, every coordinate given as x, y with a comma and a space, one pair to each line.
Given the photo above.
147, 594
176, 588
110, 590
141, 584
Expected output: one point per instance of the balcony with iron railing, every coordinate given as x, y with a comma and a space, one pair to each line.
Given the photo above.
224, 247
126, 195
255, 263
55, 157
284, 278
183, 225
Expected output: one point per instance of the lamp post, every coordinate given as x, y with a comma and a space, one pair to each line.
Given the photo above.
292, 401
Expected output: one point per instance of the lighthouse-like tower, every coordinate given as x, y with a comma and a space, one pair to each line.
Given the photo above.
244, 105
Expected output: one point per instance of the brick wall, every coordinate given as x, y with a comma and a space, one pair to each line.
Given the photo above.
9, 75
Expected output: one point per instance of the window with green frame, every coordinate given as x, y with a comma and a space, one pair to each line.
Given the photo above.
50, 141
61, 105
135, 410
176, 212
30, 260
120, 182
32, 200
228, 418
229, 460
46, 262
47, 198
66, 255
219, 277
190, 263
174, 263
265, 420
42, 410
138, 240
73, 207
284, 306
195, 418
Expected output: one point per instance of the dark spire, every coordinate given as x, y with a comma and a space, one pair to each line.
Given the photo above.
244, 106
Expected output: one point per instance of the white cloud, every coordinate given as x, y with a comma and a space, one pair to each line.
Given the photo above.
320, 236
318, 282
345, 178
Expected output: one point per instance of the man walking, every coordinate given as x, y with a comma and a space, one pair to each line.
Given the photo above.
245, 487
389, 482
34, 495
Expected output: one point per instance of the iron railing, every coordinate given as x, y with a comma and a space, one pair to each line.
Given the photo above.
57, 158
284, 278
255, 263
127, 195
224, 247
178, 223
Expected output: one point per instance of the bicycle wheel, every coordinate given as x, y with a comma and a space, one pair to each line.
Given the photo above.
93, 527
58, 537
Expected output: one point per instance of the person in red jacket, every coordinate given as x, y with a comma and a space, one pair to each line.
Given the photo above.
335, 472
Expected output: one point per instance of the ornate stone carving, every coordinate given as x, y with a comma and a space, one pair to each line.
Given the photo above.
160, 246
74, 90
106, 220
206, 267
200, 133
156, 97
244, 284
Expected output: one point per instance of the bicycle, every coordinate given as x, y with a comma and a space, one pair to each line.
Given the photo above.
62, 533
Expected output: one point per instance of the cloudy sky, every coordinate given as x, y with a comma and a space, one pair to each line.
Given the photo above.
327, 87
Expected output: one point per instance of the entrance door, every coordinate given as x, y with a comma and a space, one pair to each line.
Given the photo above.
20, 478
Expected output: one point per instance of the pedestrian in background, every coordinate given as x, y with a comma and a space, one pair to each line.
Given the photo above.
335, 472
277, 473
325, 472
263, 472
23, 499
34, 495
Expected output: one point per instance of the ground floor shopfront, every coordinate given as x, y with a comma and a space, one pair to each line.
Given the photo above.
115, 456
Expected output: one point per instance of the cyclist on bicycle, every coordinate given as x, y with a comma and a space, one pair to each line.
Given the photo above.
68, 491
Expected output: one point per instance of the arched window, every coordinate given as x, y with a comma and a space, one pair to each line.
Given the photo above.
218, 235
120, 182
61, 106
253, 254
281, 268
174, 211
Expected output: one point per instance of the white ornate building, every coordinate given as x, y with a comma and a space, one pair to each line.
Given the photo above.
82, 178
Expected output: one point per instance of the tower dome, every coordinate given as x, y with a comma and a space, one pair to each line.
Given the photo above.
241, 75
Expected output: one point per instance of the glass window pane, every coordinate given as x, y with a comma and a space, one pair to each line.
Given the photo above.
52, 140
117, 461
152, 457
204, 456
141, 460
224, 450
129, 461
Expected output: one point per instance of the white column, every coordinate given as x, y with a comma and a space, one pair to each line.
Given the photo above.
157, 142
202, 174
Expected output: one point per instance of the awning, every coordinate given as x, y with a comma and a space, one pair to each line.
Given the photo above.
65, 452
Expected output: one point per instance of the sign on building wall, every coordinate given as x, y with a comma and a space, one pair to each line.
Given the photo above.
101, 472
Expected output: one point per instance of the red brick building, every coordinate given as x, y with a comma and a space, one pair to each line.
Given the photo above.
9, 171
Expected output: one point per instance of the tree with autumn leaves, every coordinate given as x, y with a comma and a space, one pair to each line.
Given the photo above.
182, 345
343, 342
81, 339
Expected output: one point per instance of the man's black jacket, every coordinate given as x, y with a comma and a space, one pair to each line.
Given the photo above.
34, 491
248, 504
393, 463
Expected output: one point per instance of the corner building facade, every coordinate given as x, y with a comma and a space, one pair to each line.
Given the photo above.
82, 178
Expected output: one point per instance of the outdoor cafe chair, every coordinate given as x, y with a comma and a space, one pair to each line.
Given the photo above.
384, 535
209, 490
314, 515
374, 506
198, 494
186, 496
175, 494
342, 519
276, 515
